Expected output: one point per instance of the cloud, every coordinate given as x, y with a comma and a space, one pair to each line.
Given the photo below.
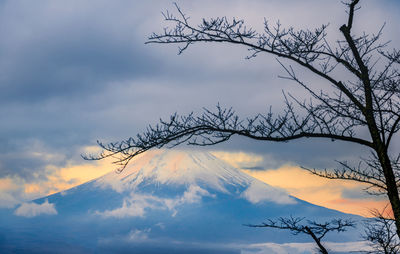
166, 245
12, 191
142, 242
51, 179
81, 85
274, 248
339, 195
299, 248
250, 160
93, 58
8, 191
193, 195
32, 209
135, 236
138, 235
328, 193
8, 200
27, 159
137, 204
239, 159
62, 178
259, 192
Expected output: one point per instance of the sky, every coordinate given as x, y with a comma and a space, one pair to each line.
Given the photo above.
73, 72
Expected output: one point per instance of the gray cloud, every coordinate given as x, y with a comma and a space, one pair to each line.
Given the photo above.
65, 51
73, 72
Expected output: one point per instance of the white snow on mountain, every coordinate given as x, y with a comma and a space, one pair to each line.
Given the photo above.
258, 192
176, 167
190, 168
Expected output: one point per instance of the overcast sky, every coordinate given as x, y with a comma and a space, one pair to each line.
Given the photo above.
73, 72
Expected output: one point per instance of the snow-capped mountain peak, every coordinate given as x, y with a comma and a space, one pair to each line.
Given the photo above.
191, 168
179, 168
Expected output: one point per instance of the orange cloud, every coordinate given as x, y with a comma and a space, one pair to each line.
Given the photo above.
317, 190
304, 185
14, 190
58, 179
239, 159
67, 177
296, 181
8, 184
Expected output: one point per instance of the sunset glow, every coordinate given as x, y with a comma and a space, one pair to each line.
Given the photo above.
296, 181
319, 191
188, 127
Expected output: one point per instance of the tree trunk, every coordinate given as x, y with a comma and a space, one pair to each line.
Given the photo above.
382, 153
317, 241
391, 186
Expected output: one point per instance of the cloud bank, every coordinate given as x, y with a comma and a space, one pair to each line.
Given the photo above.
72, 72
324, 192
137, 204
30, 210
300, 248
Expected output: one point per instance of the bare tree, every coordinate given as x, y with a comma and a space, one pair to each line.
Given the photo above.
368, 101
316, 230
380, 232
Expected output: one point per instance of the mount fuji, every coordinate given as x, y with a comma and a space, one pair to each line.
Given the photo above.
165, 201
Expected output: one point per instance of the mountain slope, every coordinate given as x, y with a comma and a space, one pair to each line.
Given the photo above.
165, 201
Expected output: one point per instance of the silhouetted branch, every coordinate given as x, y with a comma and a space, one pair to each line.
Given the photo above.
380, 232
214, 127
368, 171
314, 229
345, 107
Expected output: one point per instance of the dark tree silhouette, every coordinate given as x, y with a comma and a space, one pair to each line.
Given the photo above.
380, 232
314, 229
366, 102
